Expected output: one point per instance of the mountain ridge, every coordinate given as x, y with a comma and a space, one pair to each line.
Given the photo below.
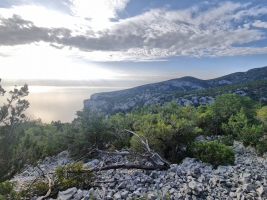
169, 90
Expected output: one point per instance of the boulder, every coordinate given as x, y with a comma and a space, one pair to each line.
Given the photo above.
67, 194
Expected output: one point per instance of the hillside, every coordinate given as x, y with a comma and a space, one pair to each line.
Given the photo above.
190, 179
157, 152
184, 91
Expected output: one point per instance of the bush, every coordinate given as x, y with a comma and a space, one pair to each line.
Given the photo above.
6, 187
213, 152
261, 147
12, 107
251, 135
89, 129
38, 188
118, 123
236, 124
262, 115
169, 130
238, 127
72, 176
7, 191
229, 105
227, 140
65, 177
204, 119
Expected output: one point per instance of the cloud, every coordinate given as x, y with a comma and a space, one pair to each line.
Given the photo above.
42, 16
3, 55
103, 9
161, 33
98, 13
15, 31
260, 24
220, 30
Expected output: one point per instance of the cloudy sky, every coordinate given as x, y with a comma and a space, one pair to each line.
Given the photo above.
130, 39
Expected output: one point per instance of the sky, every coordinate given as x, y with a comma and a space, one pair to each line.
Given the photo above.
138, 40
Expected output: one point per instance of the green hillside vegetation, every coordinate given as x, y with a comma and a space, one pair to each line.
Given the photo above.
170, 129
185, 90
254, 89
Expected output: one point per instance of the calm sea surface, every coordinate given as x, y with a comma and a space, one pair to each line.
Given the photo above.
59, 103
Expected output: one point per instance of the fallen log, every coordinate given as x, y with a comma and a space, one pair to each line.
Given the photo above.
130, 166
122, 166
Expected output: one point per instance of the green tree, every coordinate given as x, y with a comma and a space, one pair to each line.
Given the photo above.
169, 130
262, 115
240, 128
236, 124
118, 123
89, 130
228, 105
11, 115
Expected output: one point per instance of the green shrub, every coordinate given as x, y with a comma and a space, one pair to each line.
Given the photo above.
262, 115
68, 176
228, 105
118, 123
204, 119
89, 129
6, 187
236, 124
251, 135
7, 191
213, 152
73, 176
238, 127
227, 140
40, 188
261, 147
170, 137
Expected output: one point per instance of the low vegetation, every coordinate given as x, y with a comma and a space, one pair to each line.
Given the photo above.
170, 130
7, 191
72, 175
213, 152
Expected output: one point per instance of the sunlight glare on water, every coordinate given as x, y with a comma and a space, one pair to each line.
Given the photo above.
59, 103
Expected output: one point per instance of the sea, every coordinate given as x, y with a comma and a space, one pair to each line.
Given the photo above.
53, 103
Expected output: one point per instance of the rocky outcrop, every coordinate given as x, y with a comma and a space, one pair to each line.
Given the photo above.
68, 194
46, 166
191, 179
157, 93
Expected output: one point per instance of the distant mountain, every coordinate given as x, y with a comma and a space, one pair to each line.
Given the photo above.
241, 77
185, 91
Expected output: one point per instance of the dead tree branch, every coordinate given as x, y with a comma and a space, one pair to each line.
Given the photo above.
49, 190
154, 160
153, 155
129, 166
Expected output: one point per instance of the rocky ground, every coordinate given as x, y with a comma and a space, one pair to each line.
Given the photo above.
47, 166
192, 179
